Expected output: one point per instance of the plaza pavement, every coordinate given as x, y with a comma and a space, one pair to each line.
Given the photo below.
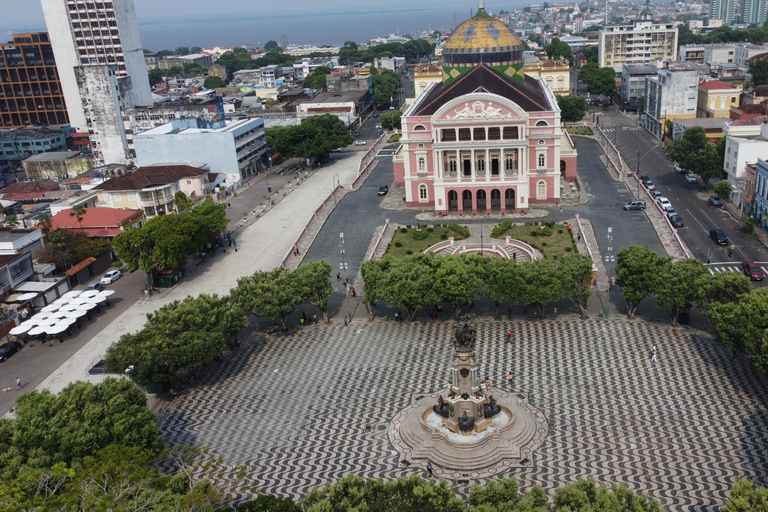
262, 245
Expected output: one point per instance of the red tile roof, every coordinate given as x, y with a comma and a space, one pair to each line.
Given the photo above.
152, 176
30, 187
715, 84
96, 221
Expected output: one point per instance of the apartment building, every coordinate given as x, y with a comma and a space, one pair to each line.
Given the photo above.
637, 43
30, 90
753, 12
715, 99
633, 78
724, 10
673, 94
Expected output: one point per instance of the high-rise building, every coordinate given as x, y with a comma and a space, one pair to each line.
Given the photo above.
638, 43
92, 39
723, 10
30, 91
754, 12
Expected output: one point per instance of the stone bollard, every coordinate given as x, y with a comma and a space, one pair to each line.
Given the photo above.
508, 239
450, 240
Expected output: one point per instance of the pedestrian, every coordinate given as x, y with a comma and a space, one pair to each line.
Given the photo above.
301, 323
555, 310
653, 354
338, 276
429, 469
509, 337
525, 308
345, 321
18, 383
509, 313
561, 209
375, 303
514, 256
578, 238
487, 383
354, 293
511, 379
314, 319
435, 319
734, 353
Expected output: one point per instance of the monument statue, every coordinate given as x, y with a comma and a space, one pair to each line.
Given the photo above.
464, 336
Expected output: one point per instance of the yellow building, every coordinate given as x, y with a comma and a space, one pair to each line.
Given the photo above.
716, 99
557, 74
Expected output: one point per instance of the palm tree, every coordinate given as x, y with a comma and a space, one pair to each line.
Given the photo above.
11, 220
78, 212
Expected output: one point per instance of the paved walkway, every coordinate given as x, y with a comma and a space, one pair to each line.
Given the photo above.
262, 246
301, 409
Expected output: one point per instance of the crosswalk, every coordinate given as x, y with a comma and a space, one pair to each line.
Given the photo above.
731, 267
623, 129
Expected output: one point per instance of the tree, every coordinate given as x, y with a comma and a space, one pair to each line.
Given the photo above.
637, 270
457, 281
155, 76
759, 70
572, 108
314, 280
743, 325
590, 53
272, 294
391, 120
182, 334
183, 202
557, 49
723, 189
676, 285
603, 82
721, 288
317, 79
182, 50
410, 283
694, 152
745, 497
11, 220
640, 104
386, 86
587, 496
374, 274
270, 45
193, 69
214, 82
269, 503
351, 45
500, 280
75, 424
542, 283
685, 36
587, 71
78, 212
720, 147
44, 223
578, 269
315, 137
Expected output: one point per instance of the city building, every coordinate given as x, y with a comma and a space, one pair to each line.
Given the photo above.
23, 142
713, 127
671, 95
16, 252
56, 165
740, 151
100, 62
637, 43
745, 51
30, 90
692, 53
724, 10
235, 149
760, 202
633, 78
716, 98
271, 75
488, 138
556, 74
200, 59
302, 68
425, 75
99, 222
754, 12
152, 189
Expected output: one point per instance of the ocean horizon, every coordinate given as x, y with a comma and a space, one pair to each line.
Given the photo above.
305, 28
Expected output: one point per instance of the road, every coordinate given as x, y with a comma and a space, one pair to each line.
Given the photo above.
37, 360
690, 200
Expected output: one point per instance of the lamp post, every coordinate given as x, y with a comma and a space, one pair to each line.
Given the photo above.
334, 184
481, 239
146, 280
344, 268
638, 166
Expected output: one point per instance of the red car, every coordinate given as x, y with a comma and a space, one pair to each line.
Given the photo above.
752, 271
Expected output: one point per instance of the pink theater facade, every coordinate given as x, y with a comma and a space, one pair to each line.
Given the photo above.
483, 152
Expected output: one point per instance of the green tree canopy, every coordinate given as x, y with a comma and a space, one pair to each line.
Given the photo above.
572, 108
743, 325
410, 283
694, 152
557, 49
746, 497
270, 45
603, 82
317, 79
155, 76
314, 280
587, 71
182, 334
457, 281
182, 50
637, 270
214, 82
759, 70
272, 294
315, 137
542, 283
590, 53
724, 189
386, 85
391, 120
677, 285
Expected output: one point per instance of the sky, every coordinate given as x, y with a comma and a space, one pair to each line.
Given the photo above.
21, 14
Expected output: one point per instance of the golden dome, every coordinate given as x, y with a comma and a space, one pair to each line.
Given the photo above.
482, 34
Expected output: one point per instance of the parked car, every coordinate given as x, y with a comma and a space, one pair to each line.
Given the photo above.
649, 185
357, 134
360, 143
718, 236
715, 201
644, 178
95, 286
664, 203
383, 190
671, 213
677, 221
8, 349
637, 204
752, 271
679, 169
111, 276
691, 178
656, 194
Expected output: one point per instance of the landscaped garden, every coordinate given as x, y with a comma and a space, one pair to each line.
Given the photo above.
553, 240
412, 240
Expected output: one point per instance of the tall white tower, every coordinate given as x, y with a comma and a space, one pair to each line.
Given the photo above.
97, 34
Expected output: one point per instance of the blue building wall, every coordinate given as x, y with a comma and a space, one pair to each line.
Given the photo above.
761, 194
16, 145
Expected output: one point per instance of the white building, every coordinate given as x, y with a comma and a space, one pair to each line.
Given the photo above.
740, 151
638, 43
746, 51
106, 35
672, 94
237, 149
270, 75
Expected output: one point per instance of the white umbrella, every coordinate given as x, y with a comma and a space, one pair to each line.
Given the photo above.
37, 330
66, 321
40, 316
71, 294
61, 301
78, 313
56, 329
67, 307
78, 301
50, 308
89, 293
21, 329
106, 293
86, 307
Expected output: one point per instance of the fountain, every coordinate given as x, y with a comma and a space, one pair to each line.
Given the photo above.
465, 428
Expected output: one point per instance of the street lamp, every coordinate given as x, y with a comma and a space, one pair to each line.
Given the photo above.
334, 184
344, 268
481, 239
638, 166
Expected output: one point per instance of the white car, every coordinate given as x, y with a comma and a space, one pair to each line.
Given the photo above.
111, 276
679, 169
360, 143
664, 203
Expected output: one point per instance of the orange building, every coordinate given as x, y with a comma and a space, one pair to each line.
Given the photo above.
30, 91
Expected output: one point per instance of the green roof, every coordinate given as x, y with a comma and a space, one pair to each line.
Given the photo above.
481, 14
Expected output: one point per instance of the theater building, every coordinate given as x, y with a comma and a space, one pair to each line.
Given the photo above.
488, 138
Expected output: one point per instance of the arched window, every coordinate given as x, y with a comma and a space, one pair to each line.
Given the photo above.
542, 123
419, 128
541, 190
423, 194
422, 164
542, 160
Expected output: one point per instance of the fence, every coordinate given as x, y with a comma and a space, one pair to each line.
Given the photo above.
306, 227
378, 242
367, 160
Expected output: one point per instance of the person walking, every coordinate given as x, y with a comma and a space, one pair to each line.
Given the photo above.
301, 323
509, 313
511, 379
509, 337
314, 319
18, 384
430, 472
734, 353
653, 354
338, 276
555, 310
345, 320
487, 384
